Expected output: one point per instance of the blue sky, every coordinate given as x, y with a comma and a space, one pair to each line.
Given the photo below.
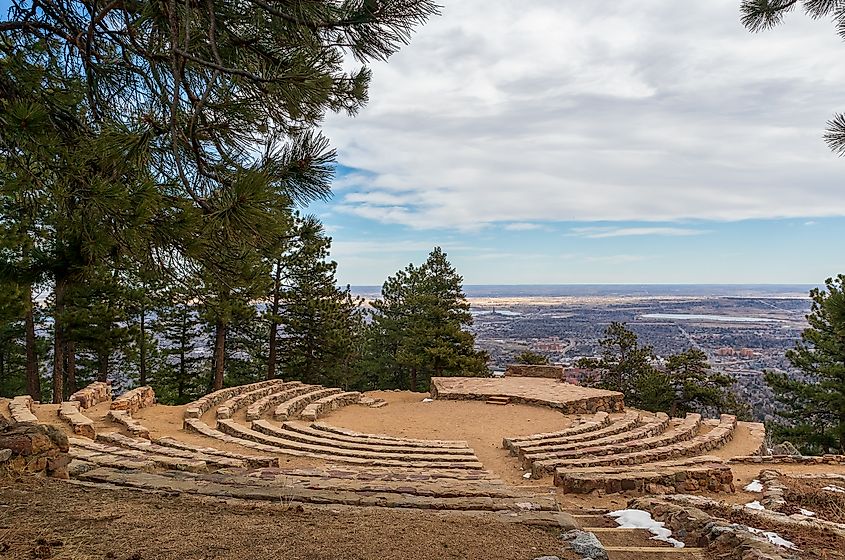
580, 142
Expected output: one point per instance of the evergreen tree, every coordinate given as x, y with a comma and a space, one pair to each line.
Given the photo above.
758, 15
623, 361
696, 387
814, 403
531, 358
418, 328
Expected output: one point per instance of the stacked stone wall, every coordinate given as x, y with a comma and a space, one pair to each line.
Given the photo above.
204, 404
134, 400
21, 410
93, 394
80, 424
34, 449
524, 370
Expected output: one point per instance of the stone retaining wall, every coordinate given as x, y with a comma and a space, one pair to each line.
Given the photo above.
34, 449
21, 410
324, 406
665, 480
94, 393
790, 459
524, 370
134, 400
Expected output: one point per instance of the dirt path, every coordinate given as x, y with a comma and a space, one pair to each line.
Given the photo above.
96, 523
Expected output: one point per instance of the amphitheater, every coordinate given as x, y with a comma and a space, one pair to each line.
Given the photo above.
515, 450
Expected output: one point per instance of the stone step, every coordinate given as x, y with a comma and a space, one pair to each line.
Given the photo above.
295, 433
146, 446
334, 453
253, 461
628, 422
325, 405
231, 405
374, 440
380, 473
160, 461
211, 486
291, 408
202, 405
386, 438
70, 412
595, 422
262, 405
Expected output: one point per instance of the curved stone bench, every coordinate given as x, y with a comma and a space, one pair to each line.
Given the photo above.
650, 428
79, 423
343, 447
145, 446
251, 461
701, 443
21, 410
262, 405
333, 454
98, 453
132, 426
387, 440
545, 463
134, 400
595, 422
204, 404
93, 394
228, 407
325, 405
713, 477
292, 407
629, 421
317, 430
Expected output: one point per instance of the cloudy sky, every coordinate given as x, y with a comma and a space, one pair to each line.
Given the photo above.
579, 142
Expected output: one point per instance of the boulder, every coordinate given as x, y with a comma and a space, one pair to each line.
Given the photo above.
35, 449
585, 545
786, 448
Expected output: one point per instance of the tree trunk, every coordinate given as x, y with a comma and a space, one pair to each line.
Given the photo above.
183, 368
142, 347
219, 354
103, 366
70, 367
58, 341
414, 379
33, 380
274, 325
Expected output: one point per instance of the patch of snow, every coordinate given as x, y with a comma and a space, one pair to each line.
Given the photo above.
806, 512
526, 475
754, 486
638, 519
755, 505
773, 538
526, 506
428, 400
834, 488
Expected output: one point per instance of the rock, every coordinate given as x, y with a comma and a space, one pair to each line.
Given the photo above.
5, 455
35, 449
786, 448
585, 544
547, 558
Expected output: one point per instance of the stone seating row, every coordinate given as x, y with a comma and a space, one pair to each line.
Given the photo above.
292, 407
631, 419
134, 400
681, 431
21, 410
713, 477
70, 412
148, 447
124, 418
332, 452
202, 405
340, 435
117, 457
283, 491
259, 407
315, 437
701, 443
395, 474
595, 422
646, 429
334, 432
323, 406
250, 461
93, 394
231, 405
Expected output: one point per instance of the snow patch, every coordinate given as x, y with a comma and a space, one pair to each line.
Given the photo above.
526, 475
806, 512
755, 505
834, 488
428, 400
638, 519
754, 486
773, 538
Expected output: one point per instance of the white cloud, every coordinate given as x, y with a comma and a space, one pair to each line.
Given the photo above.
522, 226
507, 112
604, 232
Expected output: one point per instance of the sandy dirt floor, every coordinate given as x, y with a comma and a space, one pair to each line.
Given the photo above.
481, 425
53, 519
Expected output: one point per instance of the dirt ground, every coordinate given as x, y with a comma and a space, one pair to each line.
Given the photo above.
53, 519
481, 425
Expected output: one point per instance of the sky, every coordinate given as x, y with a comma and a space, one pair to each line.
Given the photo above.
648, 141
546, 142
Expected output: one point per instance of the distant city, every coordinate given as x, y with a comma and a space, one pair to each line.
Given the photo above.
743, 329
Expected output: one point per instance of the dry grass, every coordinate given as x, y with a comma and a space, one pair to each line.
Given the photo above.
808, 494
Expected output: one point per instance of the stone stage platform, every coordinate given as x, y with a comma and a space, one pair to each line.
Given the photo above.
568, 398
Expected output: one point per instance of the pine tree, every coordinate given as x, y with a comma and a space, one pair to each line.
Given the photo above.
531, 358
623, 361
814, 403
418, 328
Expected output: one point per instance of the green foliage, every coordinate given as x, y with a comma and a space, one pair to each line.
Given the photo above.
814, 404
417, 328
531, 358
